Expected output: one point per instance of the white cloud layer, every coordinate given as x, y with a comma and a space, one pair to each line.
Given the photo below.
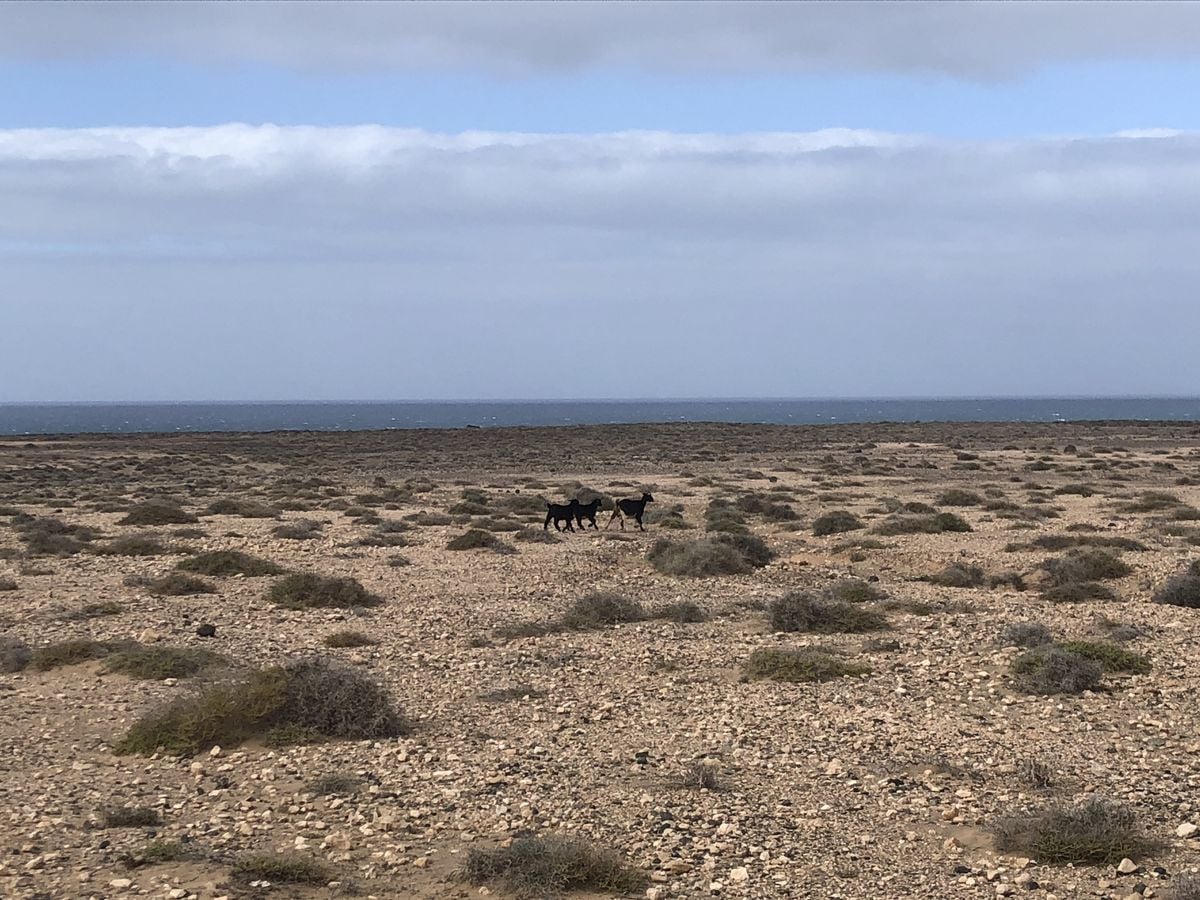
263, 262
971, 40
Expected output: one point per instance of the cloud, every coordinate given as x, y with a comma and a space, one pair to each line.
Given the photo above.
239, 261
962, 40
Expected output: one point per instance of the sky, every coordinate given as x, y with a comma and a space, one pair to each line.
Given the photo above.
219, 201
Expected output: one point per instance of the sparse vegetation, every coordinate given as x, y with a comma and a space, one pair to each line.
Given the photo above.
71, 653
305, 590
283, 868
1085, 564
347, 638
804, 665
133, 545
299, 530
685, 612
130, 817
1110, 657
478, 539
334, 784
1026, 634
837, 521
1093, 832
155, 663
601, 608
174, 584
698, 558
309, 699
1077, 592
801, 611
15, 655
1182, 589
247, 509
959, 497
229, 562
922, 523
1050, 669
536, 867
157, 512
959, 575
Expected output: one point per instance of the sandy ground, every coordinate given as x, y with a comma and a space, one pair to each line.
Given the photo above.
882, 785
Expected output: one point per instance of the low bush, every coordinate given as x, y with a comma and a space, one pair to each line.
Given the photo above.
684, 612
1026, 634
702, 775
229, 562
477, 539
1085, 564
174, 584
536, 867
703, 557
1182, 589
853, 590
959, 497
299, 530
922, 523
837, 521
1110, 657
800, 611
1077, 592
334, 784
133, 545
129, 817
536, 536
7, 584
305, 590
247, 509
72, 652
157, 512
602, 608
348, 638
15, 655
804, 665
958, 575
1050, 669
156, 663
282, 868
53, 537
1094, 832
308, 699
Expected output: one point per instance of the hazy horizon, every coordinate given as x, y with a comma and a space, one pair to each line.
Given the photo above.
583, 200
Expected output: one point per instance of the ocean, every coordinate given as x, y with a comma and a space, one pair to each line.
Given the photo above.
132, 418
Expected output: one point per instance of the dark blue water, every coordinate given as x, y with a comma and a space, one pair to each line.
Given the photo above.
71, 418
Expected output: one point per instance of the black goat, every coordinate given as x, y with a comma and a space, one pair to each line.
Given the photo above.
633, 508
587, 511
561, 512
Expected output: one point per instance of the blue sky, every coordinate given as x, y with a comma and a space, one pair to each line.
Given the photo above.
408, 201
1055, 99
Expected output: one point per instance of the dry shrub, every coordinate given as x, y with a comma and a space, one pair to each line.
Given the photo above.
535, 867
15, 655
1085, 564
174, 584
1182, 589
306, 590
853, 590
836, 521
282, 868
1093, 832
602, 608
309, 699
347, 638
1077, 592
805, 665
922, 523
477, 539
801, 611
229, 562
1026, 634
299, 530
247, 509
130, 817
958, 575
155, 663
157, 512
1110, 657
133, 545
959, 497
684, 612
1050, 670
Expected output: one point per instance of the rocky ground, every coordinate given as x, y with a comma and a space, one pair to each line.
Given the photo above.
885, 784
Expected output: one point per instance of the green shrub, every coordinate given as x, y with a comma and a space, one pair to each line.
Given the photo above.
837, 521
958, 575
130, 817
348, 638
800, 611
1085, 564
229, 562
1093, 832
283, 868
311, 698
157, 512
477, 539
535, 867
602, 608
700, 558
162, 852
1110, 657
1077, 592
154, 663
305, 590
1052, 670
800, 665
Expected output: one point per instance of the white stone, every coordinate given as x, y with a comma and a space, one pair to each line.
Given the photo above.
1186, 830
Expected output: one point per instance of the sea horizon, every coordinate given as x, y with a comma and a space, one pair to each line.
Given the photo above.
198, 416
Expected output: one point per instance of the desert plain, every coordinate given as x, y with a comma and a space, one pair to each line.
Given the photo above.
886, 661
